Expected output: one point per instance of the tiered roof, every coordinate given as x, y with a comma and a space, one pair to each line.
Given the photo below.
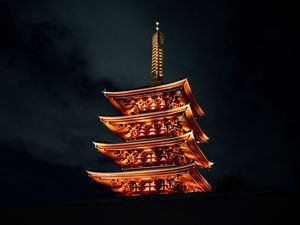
175, 122
162, 180
169, 150
160, 153
176, 94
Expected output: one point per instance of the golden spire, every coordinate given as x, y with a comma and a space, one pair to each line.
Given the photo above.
157, 66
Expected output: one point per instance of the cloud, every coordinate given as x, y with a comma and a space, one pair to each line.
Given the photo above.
49, 99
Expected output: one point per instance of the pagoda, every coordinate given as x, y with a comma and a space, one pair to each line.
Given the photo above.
160, 152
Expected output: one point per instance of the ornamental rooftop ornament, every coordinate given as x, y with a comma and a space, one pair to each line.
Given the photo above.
157, 66
160, 152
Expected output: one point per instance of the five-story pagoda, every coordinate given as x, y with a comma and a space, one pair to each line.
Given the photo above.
160, 152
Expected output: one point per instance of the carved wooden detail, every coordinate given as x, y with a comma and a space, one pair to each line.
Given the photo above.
179, 150
159, 101
155, 98
160, 154
138, 130
152, 185
168, 155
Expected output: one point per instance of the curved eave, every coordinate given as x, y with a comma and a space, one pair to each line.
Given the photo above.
200, 180
154, 172
188, 92
197, 153
161, 88
144, 116
146, 143
186, 110
199, 134
143, 91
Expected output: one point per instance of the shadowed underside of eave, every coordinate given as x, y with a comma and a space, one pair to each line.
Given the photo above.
157, 151
181, 86
175, 122
161, 180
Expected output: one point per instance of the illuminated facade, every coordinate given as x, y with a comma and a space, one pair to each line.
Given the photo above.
160, 152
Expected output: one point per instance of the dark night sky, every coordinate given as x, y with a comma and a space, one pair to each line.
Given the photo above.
57, 56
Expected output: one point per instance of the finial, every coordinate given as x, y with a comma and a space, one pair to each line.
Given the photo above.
157, 25
157, 65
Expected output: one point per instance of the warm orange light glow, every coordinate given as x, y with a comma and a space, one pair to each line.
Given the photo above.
158, 139
173, 122
160, 154
152, 152
168, 96
176, 179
